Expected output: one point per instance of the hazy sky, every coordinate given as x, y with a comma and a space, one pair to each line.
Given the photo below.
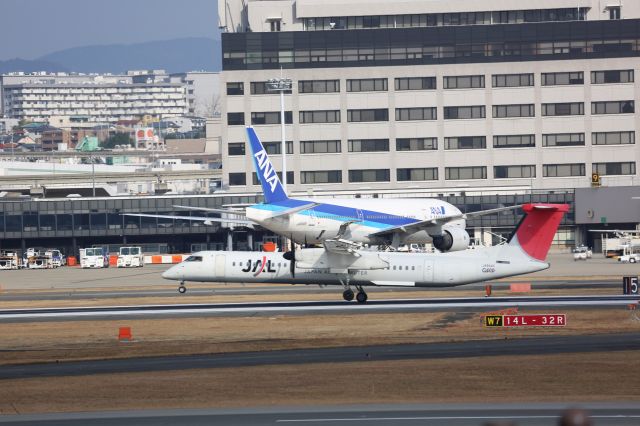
32, 28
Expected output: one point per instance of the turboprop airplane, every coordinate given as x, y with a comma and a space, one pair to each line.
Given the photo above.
346, 223
525, 252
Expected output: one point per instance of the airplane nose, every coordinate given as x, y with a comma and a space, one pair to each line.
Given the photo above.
171, 273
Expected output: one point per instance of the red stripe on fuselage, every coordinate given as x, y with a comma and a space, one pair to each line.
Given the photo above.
264, 262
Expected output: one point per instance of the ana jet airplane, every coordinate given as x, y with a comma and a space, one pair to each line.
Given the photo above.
344, 224
525, 252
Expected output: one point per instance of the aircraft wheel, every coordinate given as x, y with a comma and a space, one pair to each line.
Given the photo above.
348, 295
182, 289
361, 297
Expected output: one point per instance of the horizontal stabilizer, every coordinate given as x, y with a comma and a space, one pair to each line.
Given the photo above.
205, 219
291, 211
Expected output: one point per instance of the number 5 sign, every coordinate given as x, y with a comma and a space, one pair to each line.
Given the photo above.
629, 285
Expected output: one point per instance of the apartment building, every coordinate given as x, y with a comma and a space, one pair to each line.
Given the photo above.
95, 98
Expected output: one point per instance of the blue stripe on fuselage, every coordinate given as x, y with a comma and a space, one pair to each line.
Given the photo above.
341, 214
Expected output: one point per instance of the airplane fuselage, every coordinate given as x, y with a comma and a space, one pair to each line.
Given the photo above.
364, 217
317, 266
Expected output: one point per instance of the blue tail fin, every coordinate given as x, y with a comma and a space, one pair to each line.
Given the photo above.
271, 186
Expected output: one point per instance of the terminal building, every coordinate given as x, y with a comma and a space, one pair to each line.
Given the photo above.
470, 100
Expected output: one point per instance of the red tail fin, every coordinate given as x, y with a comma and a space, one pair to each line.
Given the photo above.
535, 232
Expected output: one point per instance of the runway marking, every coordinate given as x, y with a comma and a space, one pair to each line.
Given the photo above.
382, 419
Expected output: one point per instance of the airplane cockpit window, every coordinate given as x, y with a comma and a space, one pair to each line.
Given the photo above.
193, 259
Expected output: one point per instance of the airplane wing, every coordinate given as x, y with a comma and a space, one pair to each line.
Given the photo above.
292, 210
425, 224
342, 246
209, 209
205, 219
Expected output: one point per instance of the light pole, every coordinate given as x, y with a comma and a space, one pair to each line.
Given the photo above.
282, 85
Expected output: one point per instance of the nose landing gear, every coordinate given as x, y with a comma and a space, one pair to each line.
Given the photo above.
182, 289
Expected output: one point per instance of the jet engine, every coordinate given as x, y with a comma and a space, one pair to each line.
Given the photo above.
452, 239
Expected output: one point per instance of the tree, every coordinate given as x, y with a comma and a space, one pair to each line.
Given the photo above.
117, 139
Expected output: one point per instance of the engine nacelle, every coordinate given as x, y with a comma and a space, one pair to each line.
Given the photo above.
452, 239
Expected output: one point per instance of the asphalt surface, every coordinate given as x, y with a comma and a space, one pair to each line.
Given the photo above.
391, 415
301, 308
473, 348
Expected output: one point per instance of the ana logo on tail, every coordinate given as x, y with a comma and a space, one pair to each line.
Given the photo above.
268, 172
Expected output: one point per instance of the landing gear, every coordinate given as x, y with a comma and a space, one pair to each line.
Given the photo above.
361, 297
348, 295
182, 289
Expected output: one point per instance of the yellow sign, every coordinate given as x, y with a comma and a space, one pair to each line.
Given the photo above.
493, 321
595, 179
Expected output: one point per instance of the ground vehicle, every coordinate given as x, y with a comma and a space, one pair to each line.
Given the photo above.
630, 254
93, 257
10, 260
130, 257
582, 253
57, 258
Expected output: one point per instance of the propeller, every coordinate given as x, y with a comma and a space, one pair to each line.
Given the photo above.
291, 257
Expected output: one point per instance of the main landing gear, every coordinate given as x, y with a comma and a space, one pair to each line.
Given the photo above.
182, 289
348, 294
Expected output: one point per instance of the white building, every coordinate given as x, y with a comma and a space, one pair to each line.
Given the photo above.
203, 92
434, 96
96, 98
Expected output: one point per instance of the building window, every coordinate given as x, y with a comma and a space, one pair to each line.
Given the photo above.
464, 112
262, 88
514, 141
236, 148
275, 148
362, 115
274, 25
562, 78
507, 111
321, 176
612, 76
464, 82
563, 139
235, 88
514, 172
465, 142
614, 12
235, 118
369, 175
604, 169
416, 144
318, 86
612, 107
368, 145
563, 170
416, 83
568, 108
307, 117
430, 173
237, 179
271, 117
410, 114
367, 85
320, 147
255, 180
512, 80
463, 173
613, 138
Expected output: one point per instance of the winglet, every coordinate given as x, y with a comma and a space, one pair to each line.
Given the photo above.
271, 186
537, 228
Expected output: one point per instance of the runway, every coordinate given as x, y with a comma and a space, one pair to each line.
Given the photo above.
468, 349
391, 305
391, 415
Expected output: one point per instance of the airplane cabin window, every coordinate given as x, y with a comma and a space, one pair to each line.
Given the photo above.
194, 259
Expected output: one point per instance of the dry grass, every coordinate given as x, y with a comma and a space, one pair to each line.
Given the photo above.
74, 340
550, 378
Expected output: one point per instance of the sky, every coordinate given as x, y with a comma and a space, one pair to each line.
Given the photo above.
32, 28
